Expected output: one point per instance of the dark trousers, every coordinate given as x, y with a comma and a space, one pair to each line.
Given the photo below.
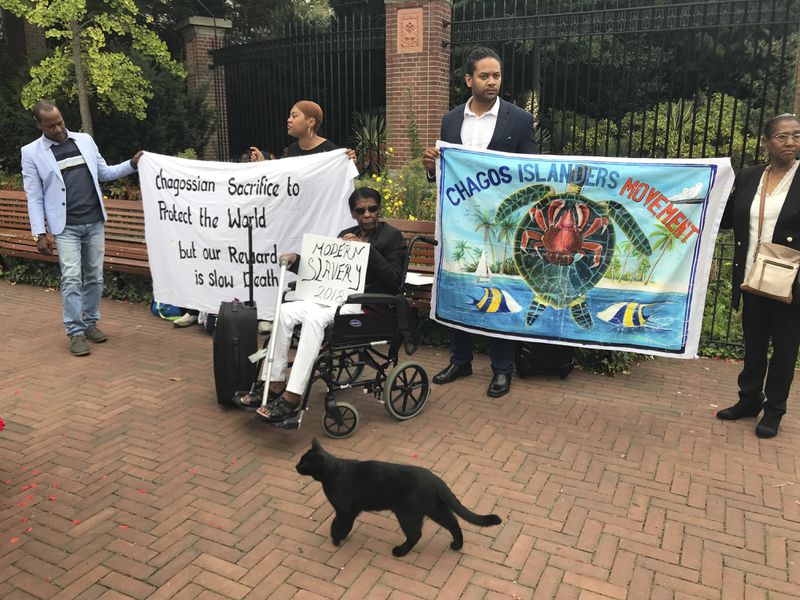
765, 320
501, 351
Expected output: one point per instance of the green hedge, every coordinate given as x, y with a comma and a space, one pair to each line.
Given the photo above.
119, 286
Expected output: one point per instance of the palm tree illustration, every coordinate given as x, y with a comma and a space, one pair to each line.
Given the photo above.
625, 248
485, 225
504, 232
664, 241
460, 251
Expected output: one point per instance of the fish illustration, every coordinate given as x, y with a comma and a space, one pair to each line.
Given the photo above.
495, 300
628, 314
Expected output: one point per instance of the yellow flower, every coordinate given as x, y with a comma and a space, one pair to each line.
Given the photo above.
378, 178
391, 149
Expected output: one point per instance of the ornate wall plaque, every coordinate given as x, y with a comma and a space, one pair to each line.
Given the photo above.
409, 30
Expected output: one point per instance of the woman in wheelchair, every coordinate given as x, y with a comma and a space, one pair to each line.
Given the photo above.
384, 273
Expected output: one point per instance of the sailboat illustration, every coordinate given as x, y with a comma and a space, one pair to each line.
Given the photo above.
482, 270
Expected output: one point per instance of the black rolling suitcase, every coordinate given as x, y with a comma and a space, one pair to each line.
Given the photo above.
236, 338
532, 359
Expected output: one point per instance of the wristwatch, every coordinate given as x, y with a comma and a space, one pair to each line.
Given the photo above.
36, 236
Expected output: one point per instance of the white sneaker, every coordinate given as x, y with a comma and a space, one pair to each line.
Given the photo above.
185, 321
264, 327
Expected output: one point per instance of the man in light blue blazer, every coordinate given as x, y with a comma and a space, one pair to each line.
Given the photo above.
61, 172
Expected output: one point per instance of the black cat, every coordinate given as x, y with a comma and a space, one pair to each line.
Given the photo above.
409, 492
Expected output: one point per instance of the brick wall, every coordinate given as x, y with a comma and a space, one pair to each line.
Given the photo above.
418, 80
201, 35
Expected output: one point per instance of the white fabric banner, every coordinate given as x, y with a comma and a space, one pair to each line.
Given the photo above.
197, 213
331, 269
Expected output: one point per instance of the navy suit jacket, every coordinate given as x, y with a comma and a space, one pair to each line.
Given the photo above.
513, 132
737, 217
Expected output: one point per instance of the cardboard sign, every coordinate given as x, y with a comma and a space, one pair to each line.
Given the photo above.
331, 269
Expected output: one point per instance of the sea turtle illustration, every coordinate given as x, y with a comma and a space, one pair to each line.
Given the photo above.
564, 244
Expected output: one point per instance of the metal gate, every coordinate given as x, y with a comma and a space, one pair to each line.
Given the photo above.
341, 67
643, 78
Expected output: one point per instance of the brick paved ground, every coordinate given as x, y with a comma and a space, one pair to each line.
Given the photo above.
122, 477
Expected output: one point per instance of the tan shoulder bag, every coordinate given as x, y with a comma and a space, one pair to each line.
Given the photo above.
775, 267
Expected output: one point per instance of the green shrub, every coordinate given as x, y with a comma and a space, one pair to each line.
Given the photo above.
407, 193
10, 180
119, 286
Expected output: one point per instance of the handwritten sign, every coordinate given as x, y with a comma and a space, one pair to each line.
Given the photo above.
197, 214
331, 269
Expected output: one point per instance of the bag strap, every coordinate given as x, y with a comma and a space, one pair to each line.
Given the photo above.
762, 203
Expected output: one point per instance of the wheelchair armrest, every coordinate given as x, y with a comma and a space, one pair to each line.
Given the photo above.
371, 299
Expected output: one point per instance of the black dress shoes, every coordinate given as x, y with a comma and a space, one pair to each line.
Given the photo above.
768, 426
500, 385
739, 411
452, 372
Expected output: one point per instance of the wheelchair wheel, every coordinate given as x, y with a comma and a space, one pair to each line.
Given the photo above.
406, 390
347, 368
344, 425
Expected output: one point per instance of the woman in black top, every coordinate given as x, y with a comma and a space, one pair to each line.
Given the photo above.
303, 123
764, 382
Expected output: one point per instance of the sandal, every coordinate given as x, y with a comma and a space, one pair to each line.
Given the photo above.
278, 410
250, 401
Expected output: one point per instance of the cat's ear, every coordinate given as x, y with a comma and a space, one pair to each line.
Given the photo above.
315, 444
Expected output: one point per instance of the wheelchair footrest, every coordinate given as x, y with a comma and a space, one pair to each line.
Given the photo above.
292, 422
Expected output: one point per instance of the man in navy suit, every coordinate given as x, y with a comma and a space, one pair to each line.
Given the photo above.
484, 121
61, 171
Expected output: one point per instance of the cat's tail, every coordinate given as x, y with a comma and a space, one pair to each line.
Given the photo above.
449, 498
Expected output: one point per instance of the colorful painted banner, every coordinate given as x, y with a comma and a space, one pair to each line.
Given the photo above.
595, 252
197, 214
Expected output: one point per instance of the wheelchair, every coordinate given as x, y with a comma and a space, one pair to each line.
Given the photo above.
362, 351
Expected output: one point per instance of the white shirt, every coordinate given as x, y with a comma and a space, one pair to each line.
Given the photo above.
477, 130
773, 204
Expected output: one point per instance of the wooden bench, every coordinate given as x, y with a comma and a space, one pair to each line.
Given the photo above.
126, 250
421, 260
125, 246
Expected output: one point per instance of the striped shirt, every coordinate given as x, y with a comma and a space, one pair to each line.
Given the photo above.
83, 205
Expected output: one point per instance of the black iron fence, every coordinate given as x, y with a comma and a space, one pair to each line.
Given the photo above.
341, 67
643, 78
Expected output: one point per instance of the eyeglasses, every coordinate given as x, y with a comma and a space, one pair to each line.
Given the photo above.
362, 209
784, 137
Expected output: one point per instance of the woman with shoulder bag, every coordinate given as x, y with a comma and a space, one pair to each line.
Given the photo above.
765, 207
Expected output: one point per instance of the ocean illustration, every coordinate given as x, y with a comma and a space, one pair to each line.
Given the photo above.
666, 330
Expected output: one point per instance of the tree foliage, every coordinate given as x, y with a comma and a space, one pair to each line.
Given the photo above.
18, 125
85, 34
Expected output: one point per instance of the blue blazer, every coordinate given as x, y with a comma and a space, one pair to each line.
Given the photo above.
513, 132
44, 185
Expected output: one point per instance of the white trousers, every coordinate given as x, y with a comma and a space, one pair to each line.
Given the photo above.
314, 318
